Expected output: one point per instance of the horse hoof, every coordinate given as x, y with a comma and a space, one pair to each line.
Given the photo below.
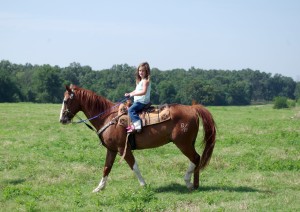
190, 186
95, 190
196, 187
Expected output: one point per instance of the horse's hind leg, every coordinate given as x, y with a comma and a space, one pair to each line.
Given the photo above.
188, 175
194, 157
193, 168
196, 176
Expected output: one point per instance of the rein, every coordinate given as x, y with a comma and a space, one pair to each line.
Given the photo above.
113, 121
100, 114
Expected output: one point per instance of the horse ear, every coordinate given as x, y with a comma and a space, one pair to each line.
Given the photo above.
194, 102
72, 87
68, 88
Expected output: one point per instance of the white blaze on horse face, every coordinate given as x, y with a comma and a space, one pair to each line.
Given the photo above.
62, 110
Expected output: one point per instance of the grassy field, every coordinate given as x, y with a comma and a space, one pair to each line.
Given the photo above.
45, 166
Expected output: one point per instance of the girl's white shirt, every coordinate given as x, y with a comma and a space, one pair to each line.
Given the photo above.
144, 99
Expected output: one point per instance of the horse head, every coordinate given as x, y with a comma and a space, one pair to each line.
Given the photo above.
70, 105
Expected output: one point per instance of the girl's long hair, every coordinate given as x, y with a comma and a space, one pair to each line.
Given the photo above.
144, 66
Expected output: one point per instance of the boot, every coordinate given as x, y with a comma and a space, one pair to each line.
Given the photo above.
138, 126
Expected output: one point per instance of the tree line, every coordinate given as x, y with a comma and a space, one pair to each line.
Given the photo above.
45, 84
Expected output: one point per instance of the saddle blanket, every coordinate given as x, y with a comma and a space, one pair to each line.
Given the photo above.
158, 115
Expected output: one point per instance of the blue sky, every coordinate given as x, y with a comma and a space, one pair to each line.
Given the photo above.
261, 35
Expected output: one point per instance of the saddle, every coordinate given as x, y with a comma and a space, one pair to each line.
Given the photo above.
150, 115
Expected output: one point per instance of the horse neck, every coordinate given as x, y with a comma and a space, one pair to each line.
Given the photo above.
96, 106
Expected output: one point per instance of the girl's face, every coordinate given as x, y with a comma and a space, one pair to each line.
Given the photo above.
142, 72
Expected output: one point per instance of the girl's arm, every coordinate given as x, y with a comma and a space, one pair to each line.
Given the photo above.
139, 93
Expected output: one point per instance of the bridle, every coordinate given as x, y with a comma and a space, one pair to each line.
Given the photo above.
66, 111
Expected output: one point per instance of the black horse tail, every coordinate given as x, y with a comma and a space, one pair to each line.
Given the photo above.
209, 134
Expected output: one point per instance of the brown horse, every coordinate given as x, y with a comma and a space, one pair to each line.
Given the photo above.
181, 129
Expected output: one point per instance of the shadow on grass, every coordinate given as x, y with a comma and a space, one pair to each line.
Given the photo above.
14, 181
178, 188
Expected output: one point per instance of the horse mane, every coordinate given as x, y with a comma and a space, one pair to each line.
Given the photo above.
91, 99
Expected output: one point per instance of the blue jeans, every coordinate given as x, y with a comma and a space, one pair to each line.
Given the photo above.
134, 109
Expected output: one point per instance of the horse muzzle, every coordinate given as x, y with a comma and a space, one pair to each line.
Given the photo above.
65, 120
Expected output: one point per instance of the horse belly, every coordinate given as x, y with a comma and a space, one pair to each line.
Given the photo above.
152, 138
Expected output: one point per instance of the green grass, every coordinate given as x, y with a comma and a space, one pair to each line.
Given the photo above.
46, 166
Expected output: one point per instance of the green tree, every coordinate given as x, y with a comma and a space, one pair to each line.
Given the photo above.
282, 86
209, 87
48, 85
9, 91
297, 91
167, 92
72, 74
24, 77
239, 93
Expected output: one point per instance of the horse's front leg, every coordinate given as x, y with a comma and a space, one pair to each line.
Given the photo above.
110, 158
134, 167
